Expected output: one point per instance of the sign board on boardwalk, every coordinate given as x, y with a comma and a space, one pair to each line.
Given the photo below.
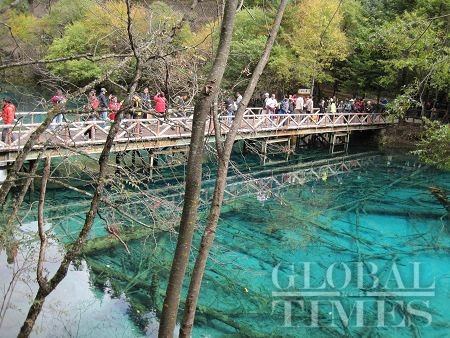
304, 91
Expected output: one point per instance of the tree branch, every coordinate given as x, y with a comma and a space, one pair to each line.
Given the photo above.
88, 56
13, 4
42, 280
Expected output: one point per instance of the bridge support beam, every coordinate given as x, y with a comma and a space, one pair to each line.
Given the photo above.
3, 172
339, 140
265, 151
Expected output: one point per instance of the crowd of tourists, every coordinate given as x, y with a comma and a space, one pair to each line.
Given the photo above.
304, 104
104, 107
356, 105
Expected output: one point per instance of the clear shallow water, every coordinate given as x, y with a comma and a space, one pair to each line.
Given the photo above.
378, 214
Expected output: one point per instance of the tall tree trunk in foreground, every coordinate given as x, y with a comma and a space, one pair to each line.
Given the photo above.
224, 160
194, 175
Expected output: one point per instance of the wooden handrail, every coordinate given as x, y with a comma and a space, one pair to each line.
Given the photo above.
73, 133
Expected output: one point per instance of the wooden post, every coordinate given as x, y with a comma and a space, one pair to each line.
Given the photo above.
264, 152
30, 165
151, 166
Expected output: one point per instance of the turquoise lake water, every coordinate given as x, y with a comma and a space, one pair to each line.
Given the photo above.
331, 247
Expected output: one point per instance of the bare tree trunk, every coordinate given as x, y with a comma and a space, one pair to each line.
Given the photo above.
33, 313
224, 160
42, 280
194, 175
43, 292
46, 288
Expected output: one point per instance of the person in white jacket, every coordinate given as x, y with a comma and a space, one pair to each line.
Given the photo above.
271, 104
299, 103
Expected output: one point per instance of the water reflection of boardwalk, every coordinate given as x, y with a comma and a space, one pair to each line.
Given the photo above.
89, 136
262, 184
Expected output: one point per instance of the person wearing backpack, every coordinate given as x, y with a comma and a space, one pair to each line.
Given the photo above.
284, 105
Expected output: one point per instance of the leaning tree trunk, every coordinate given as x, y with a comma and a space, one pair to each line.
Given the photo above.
45, 288
194, 175
224, 160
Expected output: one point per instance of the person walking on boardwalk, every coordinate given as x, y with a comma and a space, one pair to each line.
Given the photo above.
58, 99
103, 105
333, 109
8, 115
284, 105
291, 104
180, 106
92, 107
160, 104
229, 107
146, 103
309, 105
114, 107
299, 103
237, 102
93, 101
272, 104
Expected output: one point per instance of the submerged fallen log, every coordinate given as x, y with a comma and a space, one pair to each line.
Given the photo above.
441, 196
403, 211
108, 242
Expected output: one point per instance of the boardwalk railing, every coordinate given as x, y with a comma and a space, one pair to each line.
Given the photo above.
254, 124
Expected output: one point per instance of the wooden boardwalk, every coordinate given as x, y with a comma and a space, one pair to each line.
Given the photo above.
89, 136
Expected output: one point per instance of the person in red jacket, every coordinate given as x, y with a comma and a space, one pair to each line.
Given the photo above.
160, 103
8, 115
114, 107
